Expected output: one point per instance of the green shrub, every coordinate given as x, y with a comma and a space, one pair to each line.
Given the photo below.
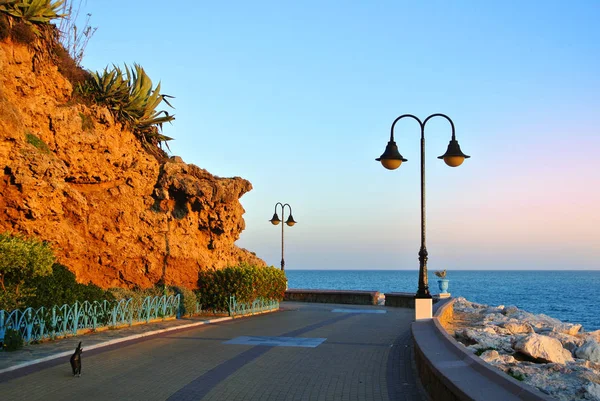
245, 282
9, 300
22, 260
517, 375
138, 295
37, 142
12, 340
61, 288
188, 300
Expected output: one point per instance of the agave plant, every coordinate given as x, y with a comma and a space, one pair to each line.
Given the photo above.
109, 87
33, 11
132, 99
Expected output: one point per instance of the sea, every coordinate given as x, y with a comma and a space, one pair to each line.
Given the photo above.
571, 296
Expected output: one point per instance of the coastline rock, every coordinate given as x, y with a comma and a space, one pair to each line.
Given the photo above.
589, 351
543, 348
595, 335
510, 310
493, 356
518, 328
593, 389
478, 339
568, 341
567, 328
575, 379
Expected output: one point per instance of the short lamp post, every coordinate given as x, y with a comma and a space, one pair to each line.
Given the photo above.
290, 222
391, 159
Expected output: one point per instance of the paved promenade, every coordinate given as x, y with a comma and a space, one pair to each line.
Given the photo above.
303, 352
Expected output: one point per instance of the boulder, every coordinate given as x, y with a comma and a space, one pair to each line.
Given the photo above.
595, 335
567, 328
543, 348
479, 339
493, 356
593, 391
518, 328
568, 341
510, 310
494, 318
590, 351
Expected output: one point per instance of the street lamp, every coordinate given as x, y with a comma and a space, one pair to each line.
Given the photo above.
391, 159
290, 222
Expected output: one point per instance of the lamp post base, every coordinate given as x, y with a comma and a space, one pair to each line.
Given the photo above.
423, 308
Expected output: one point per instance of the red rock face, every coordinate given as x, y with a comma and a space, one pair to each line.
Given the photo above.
114, 214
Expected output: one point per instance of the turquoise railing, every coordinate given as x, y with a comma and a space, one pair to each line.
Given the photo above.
49, 323
259, 305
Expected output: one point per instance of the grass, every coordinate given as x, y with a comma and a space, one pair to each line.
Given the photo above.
517, 375
37, 142
87, 124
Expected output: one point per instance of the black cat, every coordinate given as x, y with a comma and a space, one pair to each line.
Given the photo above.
76, 360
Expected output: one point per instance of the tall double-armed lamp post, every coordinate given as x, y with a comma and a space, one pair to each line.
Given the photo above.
290, 222
391, 159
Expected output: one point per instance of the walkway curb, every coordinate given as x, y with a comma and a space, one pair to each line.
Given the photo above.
115, 341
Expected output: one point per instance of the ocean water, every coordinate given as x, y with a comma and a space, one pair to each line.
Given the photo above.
570, 296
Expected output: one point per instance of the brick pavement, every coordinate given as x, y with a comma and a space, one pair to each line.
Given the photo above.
364, 357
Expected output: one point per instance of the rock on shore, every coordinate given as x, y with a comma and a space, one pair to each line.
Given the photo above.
560, 359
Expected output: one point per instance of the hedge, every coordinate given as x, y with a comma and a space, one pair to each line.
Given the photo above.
245, 282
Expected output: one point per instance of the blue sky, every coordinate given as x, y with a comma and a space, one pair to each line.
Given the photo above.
298, 98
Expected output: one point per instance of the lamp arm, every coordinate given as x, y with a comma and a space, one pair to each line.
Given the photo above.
440, 115
279, 203
282, 210
402, 116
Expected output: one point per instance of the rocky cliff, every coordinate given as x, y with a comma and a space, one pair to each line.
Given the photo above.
115, 215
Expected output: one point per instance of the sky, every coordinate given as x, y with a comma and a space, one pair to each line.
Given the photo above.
299, 97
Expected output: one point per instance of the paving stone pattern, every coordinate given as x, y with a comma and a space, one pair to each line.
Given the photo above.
366, 356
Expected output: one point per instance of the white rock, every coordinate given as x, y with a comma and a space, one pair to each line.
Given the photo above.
593, 391
567, 328
589, 351
510, 310
493, 356
517, 328
568, 341
595, 335
480, 339
574, 380
494, 318
494, 309
544, 348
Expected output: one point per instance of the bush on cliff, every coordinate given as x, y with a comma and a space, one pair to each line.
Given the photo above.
245, 282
